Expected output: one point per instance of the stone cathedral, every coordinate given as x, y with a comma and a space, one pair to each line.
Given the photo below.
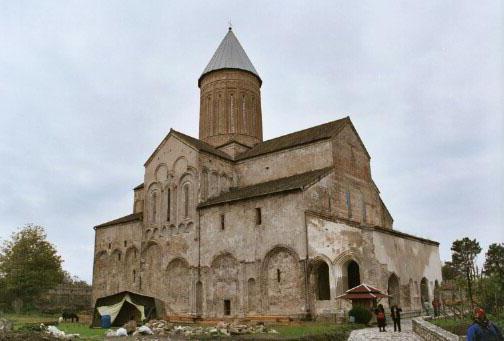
228, 224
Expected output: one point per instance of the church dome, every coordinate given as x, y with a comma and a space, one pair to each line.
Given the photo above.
230, 55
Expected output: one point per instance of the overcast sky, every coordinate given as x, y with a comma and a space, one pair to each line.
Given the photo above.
89, 88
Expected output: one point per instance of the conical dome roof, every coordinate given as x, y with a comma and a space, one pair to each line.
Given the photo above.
230, 55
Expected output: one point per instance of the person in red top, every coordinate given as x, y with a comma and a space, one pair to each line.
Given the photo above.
482, 329
380, 318
436, 305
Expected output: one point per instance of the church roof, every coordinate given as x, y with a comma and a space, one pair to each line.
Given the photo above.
313, 134
201, 145
230, 55
122, 220
290, 183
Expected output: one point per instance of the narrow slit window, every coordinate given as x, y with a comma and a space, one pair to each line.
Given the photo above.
134, 276
168, 206
278, 275
348, 203
154, 208
244, 113
364, 212
222, 221
119, 257
186, 201
209, 113
231, 114
125, 243
258, 216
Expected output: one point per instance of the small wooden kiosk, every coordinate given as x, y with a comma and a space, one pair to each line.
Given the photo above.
364, 296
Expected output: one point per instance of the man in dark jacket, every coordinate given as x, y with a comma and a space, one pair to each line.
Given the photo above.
482, 329
395, 313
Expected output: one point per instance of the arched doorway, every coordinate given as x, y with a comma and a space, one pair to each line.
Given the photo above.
282, 283
394, 290
353, 274
225, 269
424, 291
177, 288
322, 287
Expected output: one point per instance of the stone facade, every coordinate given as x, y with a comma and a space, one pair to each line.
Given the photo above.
241, 227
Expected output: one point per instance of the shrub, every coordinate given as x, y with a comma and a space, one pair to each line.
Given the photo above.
361, 315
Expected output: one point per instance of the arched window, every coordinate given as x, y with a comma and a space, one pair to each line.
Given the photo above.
322, 275
231, 114
153, 207
168, 204
209, 113
218, 116
204, 184
353, 274
244, 113
348, 203
186, 201
253, 113
394, 290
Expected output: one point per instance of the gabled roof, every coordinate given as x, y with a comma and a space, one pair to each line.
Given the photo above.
122, 220
313, 134
230, 55
363, 291
193, 142
200, 145
290, 183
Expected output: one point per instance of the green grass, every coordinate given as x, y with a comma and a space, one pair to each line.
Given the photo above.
23, 321
315, 330
459, 326
84, 330
29, 318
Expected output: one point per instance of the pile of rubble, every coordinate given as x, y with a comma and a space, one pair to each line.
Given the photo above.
5, 326
59, 334
164, 328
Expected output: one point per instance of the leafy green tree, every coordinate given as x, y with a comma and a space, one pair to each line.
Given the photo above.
464, 253
29, 265
449, 272
494, 261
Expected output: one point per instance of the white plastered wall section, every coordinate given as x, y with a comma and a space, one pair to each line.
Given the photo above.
409, 259
378, 254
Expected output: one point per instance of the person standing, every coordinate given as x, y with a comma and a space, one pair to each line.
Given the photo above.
380, 318
435, 306
482, 329
395, 313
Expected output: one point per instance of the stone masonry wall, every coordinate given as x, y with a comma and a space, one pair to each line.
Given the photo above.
284, 163
116, 259
430, 332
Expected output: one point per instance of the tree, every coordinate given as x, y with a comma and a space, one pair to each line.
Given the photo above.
464, 253
449, 272
29, 265
494, 261
494, 270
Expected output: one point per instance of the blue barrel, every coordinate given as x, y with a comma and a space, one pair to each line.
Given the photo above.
106, 321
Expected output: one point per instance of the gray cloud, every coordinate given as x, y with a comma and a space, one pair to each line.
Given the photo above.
88, 89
